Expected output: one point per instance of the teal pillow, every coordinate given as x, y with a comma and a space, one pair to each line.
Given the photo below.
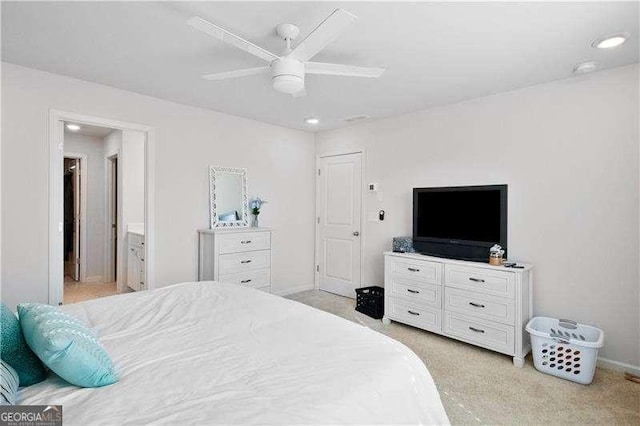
66, 346
15, 352
9, 382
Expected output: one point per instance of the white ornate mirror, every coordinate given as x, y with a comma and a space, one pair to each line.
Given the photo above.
228, 199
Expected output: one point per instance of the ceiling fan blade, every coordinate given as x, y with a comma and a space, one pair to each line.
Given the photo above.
344, 70
323, 34
236, 73
302, 92
221, 34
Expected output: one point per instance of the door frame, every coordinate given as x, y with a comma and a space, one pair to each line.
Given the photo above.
110, 261
56, 150
363, 161
83, 212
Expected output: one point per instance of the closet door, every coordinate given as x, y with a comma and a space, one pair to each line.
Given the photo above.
339, 192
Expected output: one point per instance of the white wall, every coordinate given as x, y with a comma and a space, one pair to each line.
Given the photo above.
113, 142
131, 175
280, 165
569, 152
93, 148
132, 169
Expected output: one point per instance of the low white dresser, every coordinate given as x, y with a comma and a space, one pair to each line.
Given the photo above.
236, 255
477, 303
135, 259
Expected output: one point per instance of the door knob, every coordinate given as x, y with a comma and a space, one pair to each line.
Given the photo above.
356, 233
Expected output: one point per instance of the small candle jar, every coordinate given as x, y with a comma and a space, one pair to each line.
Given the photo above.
496, 258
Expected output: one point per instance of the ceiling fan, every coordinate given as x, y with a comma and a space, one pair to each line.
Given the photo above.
288, 69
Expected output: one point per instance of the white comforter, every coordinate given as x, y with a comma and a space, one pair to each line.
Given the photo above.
211, 353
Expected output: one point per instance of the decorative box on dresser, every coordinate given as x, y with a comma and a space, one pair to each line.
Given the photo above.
236, 255
474, 302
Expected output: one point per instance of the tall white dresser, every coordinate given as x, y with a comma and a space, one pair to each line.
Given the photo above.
477, 303
236, 255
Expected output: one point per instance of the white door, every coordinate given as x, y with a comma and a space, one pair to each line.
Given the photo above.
75, 271
339, 211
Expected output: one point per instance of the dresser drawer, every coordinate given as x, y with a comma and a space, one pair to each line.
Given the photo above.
242, 262
479, 305
488, 334
423, 294
409, 313
135, 239
421, 270
238, 242
255, 279
484, 280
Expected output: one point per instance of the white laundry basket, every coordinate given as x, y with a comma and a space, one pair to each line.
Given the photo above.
565, 348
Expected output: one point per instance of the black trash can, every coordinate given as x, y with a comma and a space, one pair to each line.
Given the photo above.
370, 301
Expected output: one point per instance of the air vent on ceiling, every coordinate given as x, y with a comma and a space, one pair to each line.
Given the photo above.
356, 118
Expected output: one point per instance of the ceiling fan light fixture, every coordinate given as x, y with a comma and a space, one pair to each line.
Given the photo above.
288, 84
312, 120
288, 75
610, 41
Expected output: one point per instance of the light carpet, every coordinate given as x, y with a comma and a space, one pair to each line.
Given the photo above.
478, 386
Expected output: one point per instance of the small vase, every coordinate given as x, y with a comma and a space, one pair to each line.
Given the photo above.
256, 222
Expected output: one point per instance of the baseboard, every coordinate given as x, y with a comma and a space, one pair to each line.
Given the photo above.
292, 290
621, 367
94, 279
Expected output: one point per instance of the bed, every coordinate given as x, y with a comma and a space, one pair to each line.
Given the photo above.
212, 353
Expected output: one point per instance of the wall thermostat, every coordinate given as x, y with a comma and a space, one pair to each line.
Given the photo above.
373, 187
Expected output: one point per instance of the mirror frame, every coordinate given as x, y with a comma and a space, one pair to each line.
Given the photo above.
214, 222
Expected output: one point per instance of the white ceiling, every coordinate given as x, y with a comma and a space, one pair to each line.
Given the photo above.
89, 130
435, 53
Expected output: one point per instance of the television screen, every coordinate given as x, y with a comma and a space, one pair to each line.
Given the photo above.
466, 213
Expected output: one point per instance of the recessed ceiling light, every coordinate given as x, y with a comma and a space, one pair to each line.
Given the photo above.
312, 120
73, 127
613, 40
584, 67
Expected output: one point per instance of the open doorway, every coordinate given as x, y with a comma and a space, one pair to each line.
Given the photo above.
116, 241
103, 204
84, 186
73, 221
111, 247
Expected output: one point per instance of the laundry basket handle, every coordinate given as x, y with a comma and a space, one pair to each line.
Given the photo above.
567, 323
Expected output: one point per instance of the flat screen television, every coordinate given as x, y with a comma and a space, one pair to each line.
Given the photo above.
460, 222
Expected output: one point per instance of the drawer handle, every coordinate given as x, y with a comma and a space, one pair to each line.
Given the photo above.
414, 269
477, 330
413, 291
245, 242
476, 305
413, 313
245, 261
245, 281
476, 280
